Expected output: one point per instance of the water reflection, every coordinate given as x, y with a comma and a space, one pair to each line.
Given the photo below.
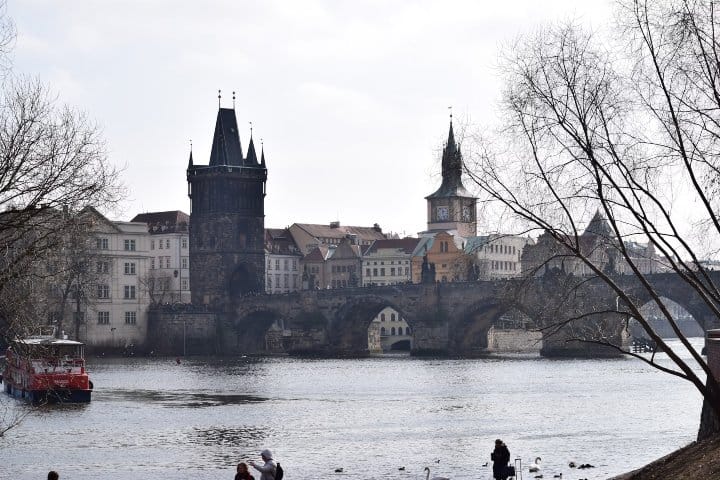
181, 399
228, 436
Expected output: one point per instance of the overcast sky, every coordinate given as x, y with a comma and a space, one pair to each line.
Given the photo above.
350, 97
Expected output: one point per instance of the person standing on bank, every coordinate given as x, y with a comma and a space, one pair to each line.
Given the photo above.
500, 457
267, 470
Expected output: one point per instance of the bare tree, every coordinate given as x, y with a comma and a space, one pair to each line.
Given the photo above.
628, 130
53, 164
159, 287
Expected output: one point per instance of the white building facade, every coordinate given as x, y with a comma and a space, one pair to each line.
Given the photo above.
497, 255
388, 262
168, 277
117, 317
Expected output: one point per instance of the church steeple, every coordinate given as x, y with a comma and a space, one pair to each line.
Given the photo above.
190, 160
262, 154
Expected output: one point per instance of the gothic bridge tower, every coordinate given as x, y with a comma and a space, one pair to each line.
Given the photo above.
227, 217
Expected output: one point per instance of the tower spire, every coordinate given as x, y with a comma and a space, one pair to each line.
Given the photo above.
190, 161
233, 99
262, 153
219, 97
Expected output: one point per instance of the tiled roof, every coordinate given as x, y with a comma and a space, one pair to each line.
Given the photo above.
407, 245
327, 231
173, 221
317, 254
280, 242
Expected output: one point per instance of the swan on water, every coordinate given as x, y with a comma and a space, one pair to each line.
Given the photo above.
427, 475
535, 467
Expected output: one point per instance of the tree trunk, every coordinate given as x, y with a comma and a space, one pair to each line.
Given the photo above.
709, 422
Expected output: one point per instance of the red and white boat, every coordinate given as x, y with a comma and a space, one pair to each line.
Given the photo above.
45, 369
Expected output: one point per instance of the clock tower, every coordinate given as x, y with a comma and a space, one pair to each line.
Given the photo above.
452, 207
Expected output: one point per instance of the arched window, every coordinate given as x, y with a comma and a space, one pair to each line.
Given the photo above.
407, 330
392, 317
382, 317
392, 331
382, 330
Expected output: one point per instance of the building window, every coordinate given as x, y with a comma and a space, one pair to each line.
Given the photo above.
294, 264
375, 272
392, 272
167, 244
102, 243
382, 272
160, 244
382, 317
152, 244
129, 291
392, 317
277, 264
367, 272
129, 268
286, 280
103, 291
407, 330
167, 262
269, 282
183, 242
407, 271
184, 262
103, 318
382, 330
103, 267
392, 331
152, 263
269, 266
184, 284
130, 318
130, 245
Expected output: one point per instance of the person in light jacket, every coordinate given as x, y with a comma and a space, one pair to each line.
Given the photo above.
267, 470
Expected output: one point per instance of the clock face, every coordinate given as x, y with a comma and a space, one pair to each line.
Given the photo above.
466, 214
442, 213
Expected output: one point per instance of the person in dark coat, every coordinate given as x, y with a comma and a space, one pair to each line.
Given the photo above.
500, 457
243, 473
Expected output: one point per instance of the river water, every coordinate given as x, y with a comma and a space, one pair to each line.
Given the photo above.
154, 419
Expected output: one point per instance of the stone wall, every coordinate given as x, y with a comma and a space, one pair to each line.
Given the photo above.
185, 330
514, 340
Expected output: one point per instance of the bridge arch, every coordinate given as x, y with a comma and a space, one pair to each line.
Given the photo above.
349, 329
677, 292
477, 330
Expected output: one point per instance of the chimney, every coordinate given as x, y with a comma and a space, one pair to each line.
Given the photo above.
335, 224
377, 228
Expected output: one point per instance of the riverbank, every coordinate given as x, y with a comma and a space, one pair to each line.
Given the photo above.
699, 460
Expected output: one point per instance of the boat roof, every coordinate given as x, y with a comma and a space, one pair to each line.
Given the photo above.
44, 340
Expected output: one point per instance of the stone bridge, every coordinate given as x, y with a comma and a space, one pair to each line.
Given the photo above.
450, 318
445, 318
